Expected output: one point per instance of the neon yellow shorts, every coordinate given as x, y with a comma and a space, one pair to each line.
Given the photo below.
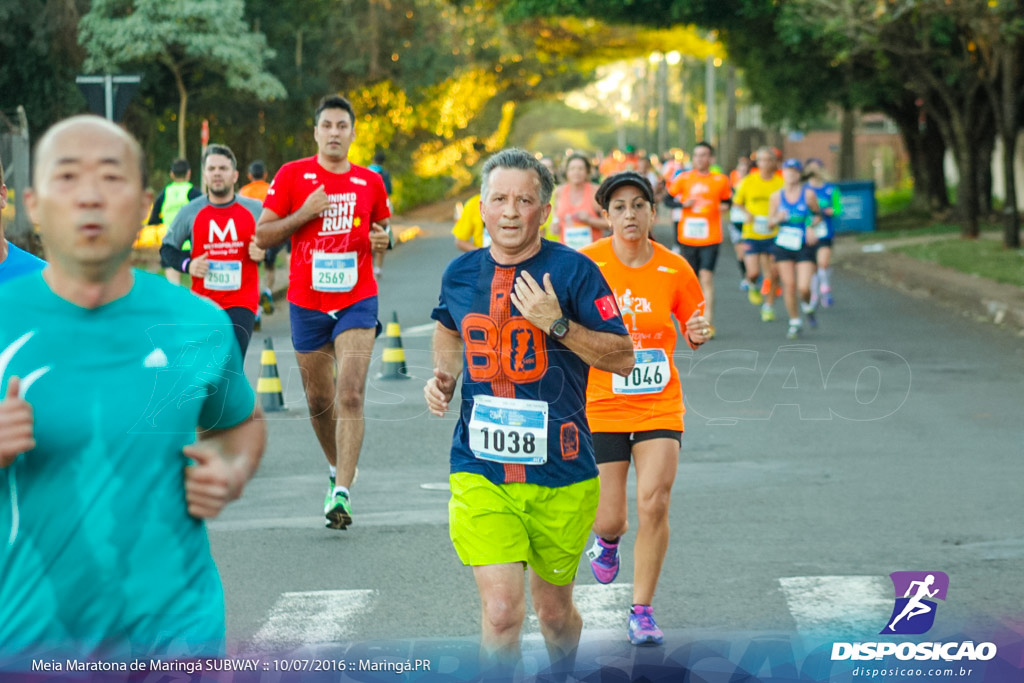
543, 527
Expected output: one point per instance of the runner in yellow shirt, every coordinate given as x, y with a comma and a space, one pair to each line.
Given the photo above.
754, 196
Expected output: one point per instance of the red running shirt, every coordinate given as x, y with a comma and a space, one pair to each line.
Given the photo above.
340, 236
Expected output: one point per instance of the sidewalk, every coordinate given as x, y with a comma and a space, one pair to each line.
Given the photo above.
979, 299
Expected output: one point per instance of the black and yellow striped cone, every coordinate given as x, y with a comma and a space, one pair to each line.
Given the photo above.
269, 384
392, 364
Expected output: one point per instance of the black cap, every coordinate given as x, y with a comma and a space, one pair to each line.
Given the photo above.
614, 182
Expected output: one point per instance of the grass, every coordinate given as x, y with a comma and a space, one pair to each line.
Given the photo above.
893, 201
921, 226
985, 258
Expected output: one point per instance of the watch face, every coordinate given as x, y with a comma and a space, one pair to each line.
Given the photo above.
559, 328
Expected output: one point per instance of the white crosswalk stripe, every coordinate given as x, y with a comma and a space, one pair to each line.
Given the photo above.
312, 617
831, 605
838, 604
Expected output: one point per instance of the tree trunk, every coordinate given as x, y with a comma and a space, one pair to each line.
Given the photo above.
986, 150
730, 147
926, 149
373, 41
182, 108
934, 157
967, 187
1009, 118
847, 132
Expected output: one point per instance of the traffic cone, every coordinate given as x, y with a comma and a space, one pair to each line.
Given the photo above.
269, 385
392, 364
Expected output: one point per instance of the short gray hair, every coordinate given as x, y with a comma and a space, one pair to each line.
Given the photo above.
516, 158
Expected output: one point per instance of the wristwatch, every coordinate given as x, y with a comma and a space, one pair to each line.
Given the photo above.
559, 328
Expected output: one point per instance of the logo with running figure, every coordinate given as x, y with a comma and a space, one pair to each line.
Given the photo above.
916, 592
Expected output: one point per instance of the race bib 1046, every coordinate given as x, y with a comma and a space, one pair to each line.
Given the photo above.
650, 374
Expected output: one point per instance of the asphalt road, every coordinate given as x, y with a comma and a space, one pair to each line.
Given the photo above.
887, 439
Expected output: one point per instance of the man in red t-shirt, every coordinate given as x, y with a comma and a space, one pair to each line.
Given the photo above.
224, 259
336, 214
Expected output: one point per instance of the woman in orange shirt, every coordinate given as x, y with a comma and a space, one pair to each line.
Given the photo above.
578, 216
640, 417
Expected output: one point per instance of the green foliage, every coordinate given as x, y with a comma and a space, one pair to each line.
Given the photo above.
893, 201
41, 60
412, 190
982, 257
200, 42
189, 34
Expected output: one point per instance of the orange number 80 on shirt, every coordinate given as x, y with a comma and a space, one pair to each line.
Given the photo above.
517, 350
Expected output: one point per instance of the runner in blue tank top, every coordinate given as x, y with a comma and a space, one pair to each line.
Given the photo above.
792, 209
831, 202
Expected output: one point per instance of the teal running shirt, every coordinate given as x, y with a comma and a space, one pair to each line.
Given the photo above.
99, 557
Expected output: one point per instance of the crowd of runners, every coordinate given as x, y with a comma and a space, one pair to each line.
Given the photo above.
561, 318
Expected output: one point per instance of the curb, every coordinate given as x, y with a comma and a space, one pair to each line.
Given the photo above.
974, 297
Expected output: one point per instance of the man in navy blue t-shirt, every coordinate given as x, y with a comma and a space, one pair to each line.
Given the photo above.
523, 321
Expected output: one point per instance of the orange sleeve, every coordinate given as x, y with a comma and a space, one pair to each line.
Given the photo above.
677, 185
689, 298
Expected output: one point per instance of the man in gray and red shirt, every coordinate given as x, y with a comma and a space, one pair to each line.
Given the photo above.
224, 261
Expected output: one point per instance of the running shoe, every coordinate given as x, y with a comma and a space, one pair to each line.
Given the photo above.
812, 318
754, 296
744, 285
604, 560
642, 628
339, 515
767, 314
826, 299
794, 332
329, 498
267, 301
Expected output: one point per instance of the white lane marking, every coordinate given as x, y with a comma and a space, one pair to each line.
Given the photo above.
424, 330
838, 604
432, 515
312, 617
603, 608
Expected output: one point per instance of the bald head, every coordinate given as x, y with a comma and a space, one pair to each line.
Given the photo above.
48, 150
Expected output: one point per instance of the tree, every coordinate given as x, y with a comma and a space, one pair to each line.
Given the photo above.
191, 38
41, 59
795, 61
955, 54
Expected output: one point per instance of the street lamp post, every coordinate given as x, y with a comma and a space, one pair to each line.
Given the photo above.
671, 59
655, 59
709, 98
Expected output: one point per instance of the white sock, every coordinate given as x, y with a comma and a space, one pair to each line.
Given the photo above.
806, 307
823, 278
334, 472
795, 322
342, 489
